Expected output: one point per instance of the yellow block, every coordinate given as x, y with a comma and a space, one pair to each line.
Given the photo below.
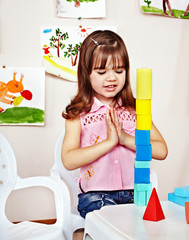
143, 106
144, 83
144, 122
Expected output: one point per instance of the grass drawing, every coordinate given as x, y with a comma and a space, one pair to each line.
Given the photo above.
20, 115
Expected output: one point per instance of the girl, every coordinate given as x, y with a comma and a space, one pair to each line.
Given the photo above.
100, 125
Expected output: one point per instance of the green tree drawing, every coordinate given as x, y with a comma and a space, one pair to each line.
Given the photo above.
81, 0
77, 2
56, 41
73, 52
147, 2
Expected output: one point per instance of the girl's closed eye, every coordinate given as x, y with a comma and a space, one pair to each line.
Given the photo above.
101, 71
119, 70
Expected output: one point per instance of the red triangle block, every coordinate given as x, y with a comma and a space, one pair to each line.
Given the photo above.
154, 210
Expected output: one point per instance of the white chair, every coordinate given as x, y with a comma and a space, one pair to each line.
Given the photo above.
9, 181
69, 179
154, 179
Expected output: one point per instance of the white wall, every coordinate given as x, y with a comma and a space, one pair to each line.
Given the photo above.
152, 41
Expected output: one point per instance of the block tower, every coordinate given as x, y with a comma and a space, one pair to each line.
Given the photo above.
142, 184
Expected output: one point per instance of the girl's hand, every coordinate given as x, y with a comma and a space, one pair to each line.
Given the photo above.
119, 127
112, 135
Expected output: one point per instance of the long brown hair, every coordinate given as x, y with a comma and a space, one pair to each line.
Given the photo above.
95, 50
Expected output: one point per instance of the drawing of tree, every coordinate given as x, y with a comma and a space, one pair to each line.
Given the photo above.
166, 2
166, 9
187, 10
56, 41
77, 2
73, 52
147, 2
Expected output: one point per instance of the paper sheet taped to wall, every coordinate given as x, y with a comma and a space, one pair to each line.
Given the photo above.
170, 8
81, 8
22, 96
60, 47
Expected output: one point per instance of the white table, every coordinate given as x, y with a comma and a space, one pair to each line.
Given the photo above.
126, 222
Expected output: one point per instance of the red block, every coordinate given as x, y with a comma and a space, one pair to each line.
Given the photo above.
187, 211
154, 210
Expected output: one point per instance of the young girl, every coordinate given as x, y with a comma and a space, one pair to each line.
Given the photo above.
100, 125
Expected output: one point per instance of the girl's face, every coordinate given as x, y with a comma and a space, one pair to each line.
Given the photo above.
107, 82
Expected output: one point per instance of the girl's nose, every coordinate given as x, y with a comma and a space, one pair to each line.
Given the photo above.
110, 76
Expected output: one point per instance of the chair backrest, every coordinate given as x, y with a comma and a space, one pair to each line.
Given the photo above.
10, 181
154, 179
8, 174
70, 177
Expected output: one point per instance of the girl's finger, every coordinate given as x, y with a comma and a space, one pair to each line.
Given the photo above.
112, 110
116, 118
108, 117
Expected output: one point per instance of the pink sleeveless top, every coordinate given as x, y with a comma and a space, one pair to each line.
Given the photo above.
114, 170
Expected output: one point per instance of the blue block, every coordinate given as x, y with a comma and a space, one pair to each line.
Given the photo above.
142, 175
142, 164
176, 199
141, 198
143, 186
142, 137
182, 191
144, 153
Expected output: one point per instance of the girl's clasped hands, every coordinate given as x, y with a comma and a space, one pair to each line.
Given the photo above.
115, 133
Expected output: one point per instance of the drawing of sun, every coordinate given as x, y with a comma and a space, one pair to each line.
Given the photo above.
83, 32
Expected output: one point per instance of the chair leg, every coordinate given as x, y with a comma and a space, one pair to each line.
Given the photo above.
78, 235
87, 237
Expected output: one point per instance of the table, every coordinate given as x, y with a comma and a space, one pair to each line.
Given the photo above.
126, 222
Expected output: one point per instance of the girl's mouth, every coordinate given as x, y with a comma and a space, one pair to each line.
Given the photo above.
111, 87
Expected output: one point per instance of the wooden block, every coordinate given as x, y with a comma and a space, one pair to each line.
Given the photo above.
142, 175
141, 198
142, 137
182, 191
187, 211
144, 83
143, 186
143, 106
144, 122
148, 195
154, 210
178, 200
144, 153
142, 164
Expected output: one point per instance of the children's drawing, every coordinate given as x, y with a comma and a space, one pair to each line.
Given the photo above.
22, 96
81, 8
60, 48
170, 8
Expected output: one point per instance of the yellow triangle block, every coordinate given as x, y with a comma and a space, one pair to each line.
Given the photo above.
144, 83
143, 106
144, 122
